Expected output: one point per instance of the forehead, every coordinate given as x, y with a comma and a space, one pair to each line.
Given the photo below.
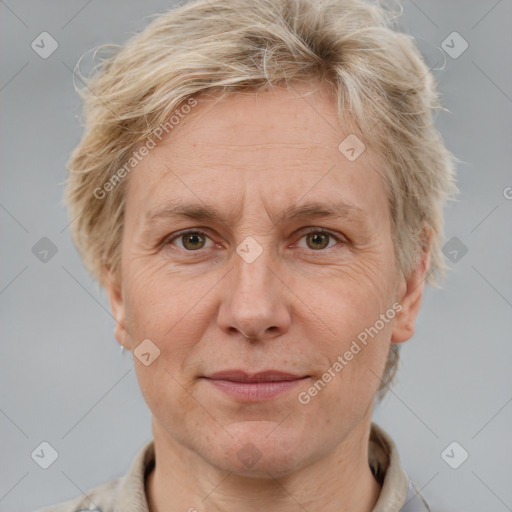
279, 147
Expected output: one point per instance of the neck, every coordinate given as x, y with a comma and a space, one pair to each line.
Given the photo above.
340, 481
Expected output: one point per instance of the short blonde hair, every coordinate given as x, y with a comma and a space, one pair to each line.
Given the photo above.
377, 74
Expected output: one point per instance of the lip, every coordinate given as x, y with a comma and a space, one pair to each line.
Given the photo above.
265, 376
254, 387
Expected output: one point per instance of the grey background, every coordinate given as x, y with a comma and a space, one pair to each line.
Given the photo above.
63, 378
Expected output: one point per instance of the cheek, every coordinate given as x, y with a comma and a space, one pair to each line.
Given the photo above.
356, 316
350, 300
349, 382
169, 400
158, 300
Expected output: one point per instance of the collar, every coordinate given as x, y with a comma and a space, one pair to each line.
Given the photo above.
398, 494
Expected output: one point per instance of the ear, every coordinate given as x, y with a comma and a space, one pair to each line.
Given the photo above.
411, 293
112, 283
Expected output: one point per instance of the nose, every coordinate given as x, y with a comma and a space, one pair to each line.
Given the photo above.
256, 300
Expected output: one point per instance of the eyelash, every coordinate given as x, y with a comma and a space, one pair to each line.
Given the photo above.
172, 238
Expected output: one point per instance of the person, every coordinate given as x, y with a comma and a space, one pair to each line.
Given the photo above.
259, 188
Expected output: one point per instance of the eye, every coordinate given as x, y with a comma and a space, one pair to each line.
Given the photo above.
194, 240
190, 240
318, 239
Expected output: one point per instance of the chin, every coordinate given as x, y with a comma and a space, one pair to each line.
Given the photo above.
262, 447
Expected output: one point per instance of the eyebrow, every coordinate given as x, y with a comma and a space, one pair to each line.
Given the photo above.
203, 212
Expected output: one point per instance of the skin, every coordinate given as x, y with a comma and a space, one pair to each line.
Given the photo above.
302, 302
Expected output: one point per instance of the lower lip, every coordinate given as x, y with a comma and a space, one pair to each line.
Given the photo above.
255, 391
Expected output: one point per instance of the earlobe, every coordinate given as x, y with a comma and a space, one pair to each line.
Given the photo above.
405, 321
113, 288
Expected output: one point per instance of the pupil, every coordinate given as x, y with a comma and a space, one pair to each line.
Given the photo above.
193, 239
317, 238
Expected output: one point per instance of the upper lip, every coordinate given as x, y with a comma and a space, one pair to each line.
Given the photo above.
242, 376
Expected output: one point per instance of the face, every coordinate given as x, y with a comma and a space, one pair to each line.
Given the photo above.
249, 221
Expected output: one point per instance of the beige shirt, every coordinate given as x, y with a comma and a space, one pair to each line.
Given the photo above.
127, 494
